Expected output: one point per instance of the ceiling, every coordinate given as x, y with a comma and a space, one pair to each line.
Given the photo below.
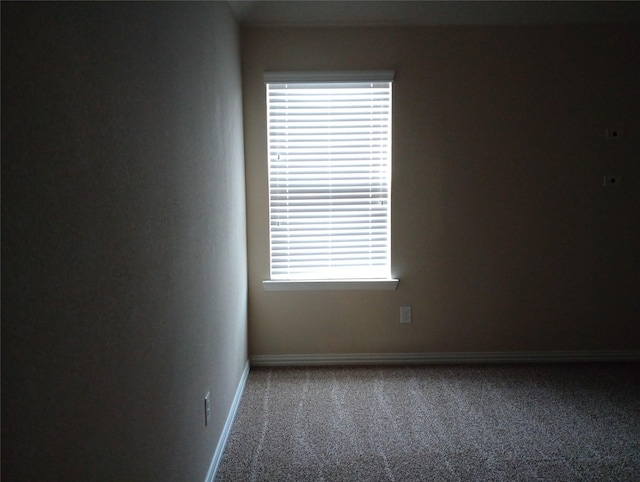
424, 12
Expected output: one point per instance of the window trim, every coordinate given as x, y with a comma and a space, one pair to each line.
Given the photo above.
329, 76
331, 285
338, 283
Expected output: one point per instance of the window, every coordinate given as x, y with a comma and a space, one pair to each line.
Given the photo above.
329, 152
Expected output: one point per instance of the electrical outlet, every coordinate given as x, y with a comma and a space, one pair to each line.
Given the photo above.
612, 180
405, 314
207, 408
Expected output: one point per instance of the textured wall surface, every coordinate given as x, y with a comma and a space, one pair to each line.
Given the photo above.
503, 236
124, 245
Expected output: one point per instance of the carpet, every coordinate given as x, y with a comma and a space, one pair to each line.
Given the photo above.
551, 422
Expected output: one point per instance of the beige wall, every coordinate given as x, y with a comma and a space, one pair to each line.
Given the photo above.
124, 275
503, 237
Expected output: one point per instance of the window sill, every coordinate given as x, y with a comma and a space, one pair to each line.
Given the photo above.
329, 285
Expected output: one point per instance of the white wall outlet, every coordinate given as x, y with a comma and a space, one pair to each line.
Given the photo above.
207, 408
612, 180
405, 314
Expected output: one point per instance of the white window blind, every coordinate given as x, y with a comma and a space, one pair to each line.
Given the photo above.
329, 149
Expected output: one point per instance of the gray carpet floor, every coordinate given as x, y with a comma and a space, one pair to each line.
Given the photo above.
555, 422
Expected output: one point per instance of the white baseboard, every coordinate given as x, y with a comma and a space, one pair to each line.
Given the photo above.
222, 441
441, 358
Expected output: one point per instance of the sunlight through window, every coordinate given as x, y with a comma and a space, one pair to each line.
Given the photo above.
329, 151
